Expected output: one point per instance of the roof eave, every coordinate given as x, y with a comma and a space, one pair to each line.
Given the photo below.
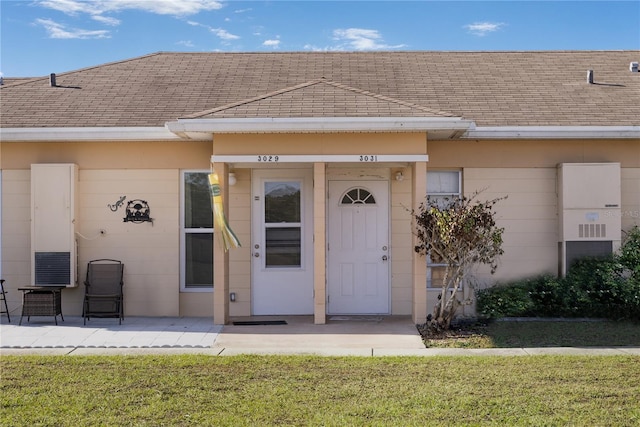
87, 134
553, 132
198, 128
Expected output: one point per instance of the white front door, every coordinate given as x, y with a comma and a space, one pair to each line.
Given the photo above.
282, 242
358, 250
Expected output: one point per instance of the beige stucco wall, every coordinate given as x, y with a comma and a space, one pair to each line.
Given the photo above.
532, 153
523, 170
329, 143
630, 209
528, 215
150, 251
148, 171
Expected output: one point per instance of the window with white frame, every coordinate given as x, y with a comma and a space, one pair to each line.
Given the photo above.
196, 232
442, 188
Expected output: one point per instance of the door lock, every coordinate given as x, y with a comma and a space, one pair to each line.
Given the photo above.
384, 257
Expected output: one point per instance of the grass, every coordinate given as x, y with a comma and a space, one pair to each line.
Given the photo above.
541, 334
318, 391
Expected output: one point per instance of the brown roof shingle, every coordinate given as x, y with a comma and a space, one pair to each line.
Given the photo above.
319, 98
491, 88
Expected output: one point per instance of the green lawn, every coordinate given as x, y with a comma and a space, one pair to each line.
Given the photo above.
305, 390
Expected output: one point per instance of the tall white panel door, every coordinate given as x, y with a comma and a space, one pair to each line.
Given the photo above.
282, 242
358, 249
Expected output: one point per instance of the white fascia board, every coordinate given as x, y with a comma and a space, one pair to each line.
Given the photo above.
315, 158
552, 132
87, 134
189, 127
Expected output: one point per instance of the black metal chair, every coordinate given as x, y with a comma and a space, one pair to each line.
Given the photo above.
103, 296
3, 296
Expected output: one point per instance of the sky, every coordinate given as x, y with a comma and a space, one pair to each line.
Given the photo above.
39, 37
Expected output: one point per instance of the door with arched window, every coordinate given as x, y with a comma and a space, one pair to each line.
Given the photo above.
358, 249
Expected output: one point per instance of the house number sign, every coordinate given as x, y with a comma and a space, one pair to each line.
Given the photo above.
365, 158
268, 159
369, 158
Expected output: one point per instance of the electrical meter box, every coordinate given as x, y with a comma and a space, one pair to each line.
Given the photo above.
589, 211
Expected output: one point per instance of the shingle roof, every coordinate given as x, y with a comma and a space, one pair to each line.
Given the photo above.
491, 88
319, 98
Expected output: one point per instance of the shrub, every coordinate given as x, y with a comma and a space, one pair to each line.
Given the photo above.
510, 300
594, 287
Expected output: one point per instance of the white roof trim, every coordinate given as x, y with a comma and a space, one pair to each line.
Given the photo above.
87, 134
552, 132
192, 128
315, 158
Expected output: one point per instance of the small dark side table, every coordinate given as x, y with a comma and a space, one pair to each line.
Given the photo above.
41, 301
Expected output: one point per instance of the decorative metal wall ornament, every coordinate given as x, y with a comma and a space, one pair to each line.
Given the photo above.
119, 203
138, 211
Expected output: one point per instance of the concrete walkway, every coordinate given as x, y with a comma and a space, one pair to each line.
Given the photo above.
341, 336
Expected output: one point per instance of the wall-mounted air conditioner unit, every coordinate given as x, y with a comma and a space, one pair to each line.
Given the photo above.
589, 198
53, 224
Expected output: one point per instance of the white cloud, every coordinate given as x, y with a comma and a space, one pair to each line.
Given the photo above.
106, 20
271, 43
219, 32
161, 7
483, 28
223, 34
99, 11
360, 39
60, 31
186, 43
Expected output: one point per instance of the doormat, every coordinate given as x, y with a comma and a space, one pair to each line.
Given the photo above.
358, 318
259, 322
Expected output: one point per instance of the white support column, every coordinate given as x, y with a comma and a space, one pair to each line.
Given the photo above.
419, 312
221, 258
319, 244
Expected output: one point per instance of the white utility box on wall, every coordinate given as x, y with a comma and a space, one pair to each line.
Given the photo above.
590, 220
53, 224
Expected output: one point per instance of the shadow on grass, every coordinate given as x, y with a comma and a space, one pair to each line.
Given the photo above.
540, 333
563, 333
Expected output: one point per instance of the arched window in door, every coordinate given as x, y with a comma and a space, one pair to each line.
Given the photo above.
358, 196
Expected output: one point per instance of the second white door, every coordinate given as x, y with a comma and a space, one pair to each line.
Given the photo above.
358, 249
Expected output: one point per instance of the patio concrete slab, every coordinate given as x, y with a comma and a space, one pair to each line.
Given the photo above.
135, 332
340, 336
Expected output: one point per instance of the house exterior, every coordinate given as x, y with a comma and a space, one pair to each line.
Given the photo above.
320, 157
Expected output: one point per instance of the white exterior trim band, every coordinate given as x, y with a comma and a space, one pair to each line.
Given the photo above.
552, 132
319, 124
88, 134
315, 158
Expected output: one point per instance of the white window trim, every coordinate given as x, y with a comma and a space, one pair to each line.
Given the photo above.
183, 232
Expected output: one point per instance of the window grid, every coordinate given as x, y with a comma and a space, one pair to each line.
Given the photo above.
196, 232
358, 196
442, 186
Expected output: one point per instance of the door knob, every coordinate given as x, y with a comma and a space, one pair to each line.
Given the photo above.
384, 257
257, 255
